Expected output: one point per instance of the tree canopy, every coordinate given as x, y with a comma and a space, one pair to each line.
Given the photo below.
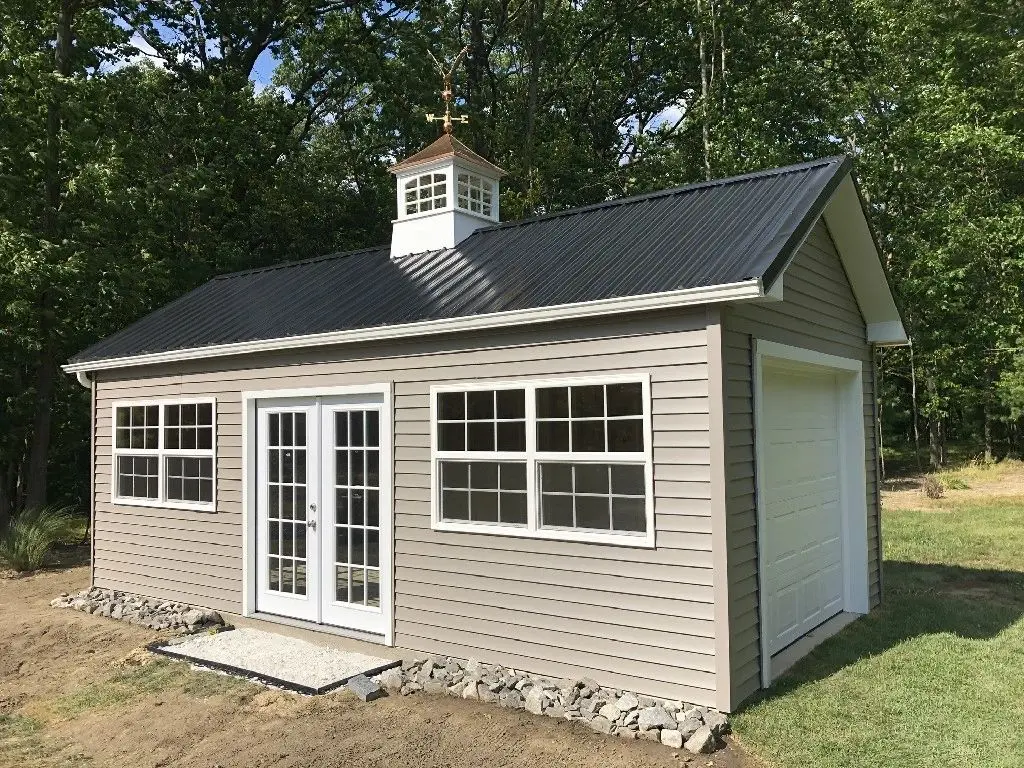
147, 146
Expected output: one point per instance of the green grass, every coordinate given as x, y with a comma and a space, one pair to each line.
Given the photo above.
161, 675
23, 743
936, 676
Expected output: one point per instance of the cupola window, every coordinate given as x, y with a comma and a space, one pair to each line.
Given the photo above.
475, 194
427, 192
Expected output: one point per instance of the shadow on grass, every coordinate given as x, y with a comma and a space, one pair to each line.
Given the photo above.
919, 599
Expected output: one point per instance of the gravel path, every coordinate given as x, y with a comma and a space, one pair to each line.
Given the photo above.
285, 658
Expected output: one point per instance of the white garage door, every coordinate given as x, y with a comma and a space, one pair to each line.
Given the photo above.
802, 540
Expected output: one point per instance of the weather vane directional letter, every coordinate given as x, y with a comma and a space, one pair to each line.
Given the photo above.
446, 119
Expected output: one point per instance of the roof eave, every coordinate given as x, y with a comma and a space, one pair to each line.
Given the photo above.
745, 290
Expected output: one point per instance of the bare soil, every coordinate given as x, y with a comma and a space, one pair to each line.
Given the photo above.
965, 485
77, 690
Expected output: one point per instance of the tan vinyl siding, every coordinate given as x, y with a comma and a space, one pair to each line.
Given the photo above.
818, 312
635, 618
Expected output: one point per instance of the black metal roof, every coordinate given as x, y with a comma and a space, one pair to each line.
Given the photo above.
700, 235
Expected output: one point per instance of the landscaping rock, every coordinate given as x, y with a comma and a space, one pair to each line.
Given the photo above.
656, 717
627, 702
391, 680
511, 698
689, 726
141, 611
703, 741
536, 701
486, 694
433, 686
717, 722
671, 738
604, 710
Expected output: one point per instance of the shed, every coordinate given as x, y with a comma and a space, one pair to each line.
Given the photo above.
634, 441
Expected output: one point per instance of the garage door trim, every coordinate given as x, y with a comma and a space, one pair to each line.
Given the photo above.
853, 475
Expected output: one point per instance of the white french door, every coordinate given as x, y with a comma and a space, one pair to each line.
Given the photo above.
323, 526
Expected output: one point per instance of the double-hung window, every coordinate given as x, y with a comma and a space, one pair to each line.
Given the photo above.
560, 460
164, 453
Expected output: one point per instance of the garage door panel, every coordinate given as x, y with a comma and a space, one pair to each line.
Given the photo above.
802, 544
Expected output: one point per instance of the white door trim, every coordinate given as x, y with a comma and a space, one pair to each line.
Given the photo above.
853, 471
250, 398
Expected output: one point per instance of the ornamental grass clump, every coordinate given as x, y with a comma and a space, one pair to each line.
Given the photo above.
31, 535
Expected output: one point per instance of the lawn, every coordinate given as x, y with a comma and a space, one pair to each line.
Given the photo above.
936, 676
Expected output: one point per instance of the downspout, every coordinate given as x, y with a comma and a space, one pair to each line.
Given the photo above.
83, 379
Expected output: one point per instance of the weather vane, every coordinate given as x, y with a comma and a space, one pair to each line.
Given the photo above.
446, 119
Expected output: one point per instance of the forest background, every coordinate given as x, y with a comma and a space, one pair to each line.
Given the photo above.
147, 146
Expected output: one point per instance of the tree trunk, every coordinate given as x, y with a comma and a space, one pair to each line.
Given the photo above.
705, 88
934, 424
46, 369
5, 502
988, 434
935, 443
39, 448
914, 410
535, 48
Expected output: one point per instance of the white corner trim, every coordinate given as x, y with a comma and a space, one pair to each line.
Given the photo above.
745, 290
852, 455
890, 333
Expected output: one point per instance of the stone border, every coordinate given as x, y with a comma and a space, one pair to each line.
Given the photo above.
604, 710
142, 611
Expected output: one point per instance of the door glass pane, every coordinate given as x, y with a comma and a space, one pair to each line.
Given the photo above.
341, 583
373, 587
356, 532
286, 501
358, 586
372, 429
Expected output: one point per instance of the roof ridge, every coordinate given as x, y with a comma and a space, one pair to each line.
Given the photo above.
753, 175
765, 173
299, 262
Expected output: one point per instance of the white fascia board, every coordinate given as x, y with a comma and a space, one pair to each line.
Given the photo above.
848, 225
888, 334
688, 297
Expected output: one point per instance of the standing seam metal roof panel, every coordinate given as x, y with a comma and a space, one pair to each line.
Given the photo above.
700, 235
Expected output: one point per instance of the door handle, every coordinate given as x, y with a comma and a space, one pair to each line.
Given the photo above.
311, 523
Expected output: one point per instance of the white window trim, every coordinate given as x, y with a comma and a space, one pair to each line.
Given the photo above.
531, 456
486, 187
403, 189
161, 453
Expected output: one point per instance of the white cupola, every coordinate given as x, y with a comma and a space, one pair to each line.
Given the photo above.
445, 193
